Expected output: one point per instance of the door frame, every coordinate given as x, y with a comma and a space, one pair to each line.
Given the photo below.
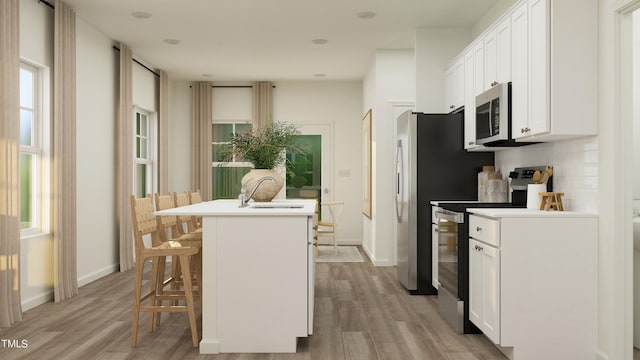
326, 149
616, 145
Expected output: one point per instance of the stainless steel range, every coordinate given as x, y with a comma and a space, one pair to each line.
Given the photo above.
453, 250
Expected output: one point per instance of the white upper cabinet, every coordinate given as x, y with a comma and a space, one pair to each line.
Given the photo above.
469, 102
490, 59
503, 51
548, 50
479, 84
562, 68
454, 85
519, 70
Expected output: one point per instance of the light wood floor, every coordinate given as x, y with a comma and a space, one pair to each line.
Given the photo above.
361, 312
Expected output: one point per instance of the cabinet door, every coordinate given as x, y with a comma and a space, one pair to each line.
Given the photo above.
478, 68
538, 66
469, 102
449, 83
458, 87
454, 85
491, 292
475, 283
434, 255
490, 59
519, 72
503, 51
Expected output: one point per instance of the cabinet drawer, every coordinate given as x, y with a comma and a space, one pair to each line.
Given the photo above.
483, 229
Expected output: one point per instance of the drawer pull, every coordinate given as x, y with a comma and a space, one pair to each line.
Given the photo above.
478, 228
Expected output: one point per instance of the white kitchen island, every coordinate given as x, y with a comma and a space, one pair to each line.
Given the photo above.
258, 271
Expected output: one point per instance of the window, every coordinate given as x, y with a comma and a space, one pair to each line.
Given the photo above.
227, 175
145, 177
30, 150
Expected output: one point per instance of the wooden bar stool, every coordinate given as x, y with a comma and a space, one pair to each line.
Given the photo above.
182, 199
144, 223
170, 222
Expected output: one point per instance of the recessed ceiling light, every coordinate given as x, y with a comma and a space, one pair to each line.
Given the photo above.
141, 15
319, 76
207, 75
366, 15
319, 41
172, 41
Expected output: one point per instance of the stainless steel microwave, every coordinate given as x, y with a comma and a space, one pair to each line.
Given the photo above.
493, 115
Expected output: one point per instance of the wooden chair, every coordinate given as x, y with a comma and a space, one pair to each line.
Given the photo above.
182, 199
170, 222
144, 223
328, 228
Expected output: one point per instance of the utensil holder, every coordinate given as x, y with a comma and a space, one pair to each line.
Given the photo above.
533, 198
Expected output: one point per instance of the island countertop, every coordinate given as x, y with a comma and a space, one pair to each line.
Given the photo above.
289, 207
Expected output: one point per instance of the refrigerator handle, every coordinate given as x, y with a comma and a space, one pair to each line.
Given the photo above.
399, 181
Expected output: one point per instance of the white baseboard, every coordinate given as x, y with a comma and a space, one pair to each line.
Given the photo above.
97, 275
323, 240
374, 261
32, 302
47, 296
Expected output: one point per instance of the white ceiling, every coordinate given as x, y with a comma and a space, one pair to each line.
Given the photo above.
247, 40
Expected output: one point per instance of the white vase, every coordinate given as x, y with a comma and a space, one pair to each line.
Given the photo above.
267, 189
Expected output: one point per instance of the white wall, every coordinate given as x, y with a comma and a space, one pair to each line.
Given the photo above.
575, 168
179, 125
499, 8
96, 80
392, 78
145, 86
337, 104
435, 47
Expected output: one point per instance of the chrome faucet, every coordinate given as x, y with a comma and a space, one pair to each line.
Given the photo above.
244, 199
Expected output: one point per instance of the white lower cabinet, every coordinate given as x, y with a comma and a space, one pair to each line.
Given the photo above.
533, 282
484, 288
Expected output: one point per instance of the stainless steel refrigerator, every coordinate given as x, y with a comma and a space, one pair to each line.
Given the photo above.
431, 164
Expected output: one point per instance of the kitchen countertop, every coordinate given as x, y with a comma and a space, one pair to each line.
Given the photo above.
528, 213
437, 202
232, 208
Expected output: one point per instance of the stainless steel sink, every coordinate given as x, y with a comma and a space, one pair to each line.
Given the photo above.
276, 206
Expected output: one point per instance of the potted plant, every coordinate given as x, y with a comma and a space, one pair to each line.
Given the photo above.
264, 147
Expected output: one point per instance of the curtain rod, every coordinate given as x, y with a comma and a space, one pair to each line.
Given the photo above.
46, 3
234, 86
138, 62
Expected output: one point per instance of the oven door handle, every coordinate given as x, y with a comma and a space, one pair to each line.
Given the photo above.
450, 216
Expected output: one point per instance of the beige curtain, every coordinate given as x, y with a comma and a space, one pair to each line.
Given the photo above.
63, 165
163, 163
201, 138
125, 158
10, 308
262, 103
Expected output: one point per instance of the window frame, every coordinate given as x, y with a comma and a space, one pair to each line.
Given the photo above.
36, 150
151, 182
227, 164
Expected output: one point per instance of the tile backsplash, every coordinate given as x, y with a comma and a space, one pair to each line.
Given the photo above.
575, 168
